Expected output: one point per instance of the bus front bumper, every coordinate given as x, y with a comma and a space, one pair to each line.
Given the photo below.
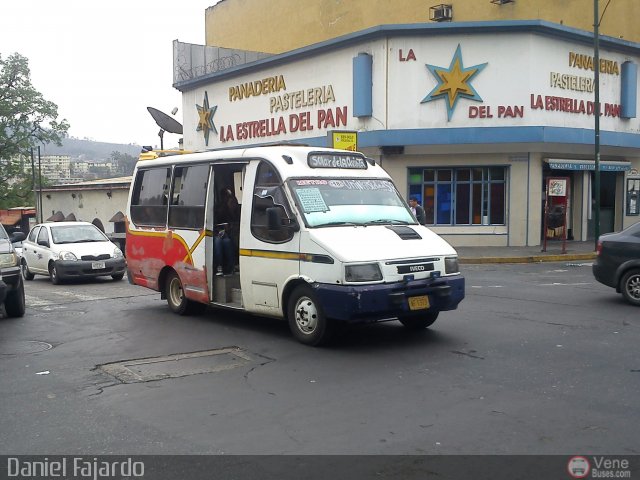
370, 303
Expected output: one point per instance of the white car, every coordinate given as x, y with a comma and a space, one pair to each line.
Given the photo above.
66, 250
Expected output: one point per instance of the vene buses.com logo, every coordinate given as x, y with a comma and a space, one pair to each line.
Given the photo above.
578, 467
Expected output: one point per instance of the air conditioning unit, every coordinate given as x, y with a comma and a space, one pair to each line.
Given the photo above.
441, 13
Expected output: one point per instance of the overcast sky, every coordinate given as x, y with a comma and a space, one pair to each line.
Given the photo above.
104, 63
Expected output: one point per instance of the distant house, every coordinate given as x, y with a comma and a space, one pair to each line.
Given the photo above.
18, 219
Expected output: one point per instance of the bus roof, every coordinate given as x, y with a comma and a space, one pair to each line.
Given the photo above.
290, 160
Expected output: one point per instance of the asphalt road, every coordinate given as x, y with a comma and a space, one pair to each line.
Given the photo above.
539, 359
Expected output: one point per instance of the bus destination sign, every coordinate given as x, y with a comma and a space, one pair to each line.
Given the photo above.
336, 160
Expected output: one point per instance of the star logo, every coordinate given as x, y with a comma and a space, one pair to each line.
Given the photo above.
205, 118
454, 82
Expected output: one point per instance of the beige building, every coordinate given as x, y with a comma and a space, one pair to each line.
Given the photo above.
279, 26
490, 124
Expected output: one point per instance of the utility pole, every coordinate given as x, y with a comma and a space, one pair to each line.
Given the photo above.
596, 70
40, 187
33, 182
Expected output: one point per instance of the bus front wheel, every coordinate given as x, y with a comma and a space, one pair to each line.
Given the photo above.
176, 299
306, 317
419, 323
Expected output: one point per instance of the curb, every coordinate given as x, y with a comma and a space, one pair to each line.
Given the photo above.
529, 259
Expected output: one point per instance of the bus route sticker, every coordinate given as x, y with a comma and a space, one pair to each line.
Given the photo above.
311, 200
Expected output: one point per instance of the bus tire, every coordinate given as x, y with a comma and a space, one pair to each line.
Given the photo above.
420, 322
176, 299
306, 318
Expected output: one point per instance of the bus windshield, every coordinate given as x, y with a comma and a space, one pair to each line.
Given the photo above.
349, 201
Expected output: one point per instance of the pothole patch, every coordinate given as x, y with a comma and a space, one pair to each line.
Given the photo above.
24, 347
177, 365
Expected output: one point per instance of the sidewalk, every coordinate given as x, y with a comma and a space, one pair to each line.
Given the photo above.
575, 251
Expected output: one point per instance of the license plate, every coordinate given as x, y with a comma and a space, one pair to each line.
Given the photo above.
419, 303
97, 265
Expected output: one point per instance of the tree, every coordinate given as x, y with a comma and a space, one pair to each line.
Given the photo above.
126, 163
26, 120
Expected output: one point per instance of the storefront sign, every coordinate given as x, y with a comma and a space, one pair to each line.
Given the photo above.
572, 105
256, 88
605, 166
344, 140
586, 62
280, 100
295, 122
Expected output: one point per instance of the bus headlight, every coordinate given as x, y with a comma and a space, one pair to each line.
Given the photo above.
451, 265
368, 272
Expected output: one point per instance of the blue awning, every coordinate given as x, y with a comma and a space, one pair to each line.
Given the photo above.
571, 164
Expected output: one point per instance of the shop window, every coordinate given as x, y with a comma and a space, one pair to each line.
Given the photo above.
461, 196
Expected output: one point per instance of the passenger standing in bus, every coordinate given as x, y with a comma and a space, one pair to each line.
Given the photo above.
226, 240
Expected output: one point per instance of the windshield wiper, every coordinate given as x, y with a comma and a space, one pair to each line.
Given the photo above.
339, 224
393, 222
87, 240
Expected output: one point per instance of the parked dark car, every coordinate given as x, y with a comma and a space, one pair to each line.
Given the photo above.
11, 286
617, 263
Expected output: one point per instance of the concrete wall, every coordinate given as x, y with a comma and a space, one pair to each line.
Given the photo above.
87, 205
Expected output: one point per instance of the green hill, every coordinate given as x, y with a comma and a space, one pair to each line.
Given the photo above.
90, 150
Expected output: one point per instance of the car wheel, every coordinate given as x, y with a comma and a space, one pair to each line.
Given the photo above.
14, 304
53, 274
630, 286
178, 303
25, 270
118, 276
306, 318
420, 322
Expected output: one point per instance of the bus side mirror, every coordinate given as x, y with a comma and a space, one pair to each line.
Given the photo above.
275, 220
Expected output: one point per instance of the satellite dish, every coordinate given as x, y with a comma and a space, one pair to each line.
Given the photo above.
165, 122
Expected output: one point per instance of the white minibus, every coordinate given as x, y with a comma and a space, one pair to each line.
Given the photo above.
318, 236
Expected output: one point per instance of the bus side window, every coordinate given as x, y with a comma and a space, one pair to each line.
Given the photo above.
268, 194
149, 201
188, 197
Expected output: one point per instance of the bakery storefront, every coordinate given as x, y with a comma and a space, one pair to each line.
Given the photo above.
471, 118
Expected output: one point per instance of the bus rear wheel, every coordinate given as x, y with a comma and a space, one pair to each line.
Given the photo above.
176, 299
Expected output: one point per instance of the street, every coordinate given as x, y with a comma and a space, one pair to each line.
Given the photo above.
538, 359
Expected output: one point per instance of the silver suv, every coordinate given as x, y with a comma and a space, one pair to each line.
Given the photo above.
11, 286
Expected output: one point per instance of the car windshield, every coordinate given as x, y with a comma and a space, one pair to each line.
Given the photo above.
349, 201
3, 233
77, 234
